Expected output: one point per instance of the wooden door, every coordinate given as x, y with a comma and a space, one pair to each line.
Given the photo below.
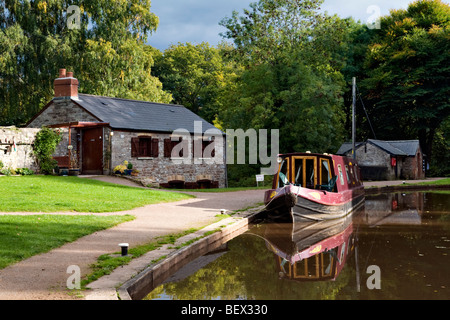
92, 151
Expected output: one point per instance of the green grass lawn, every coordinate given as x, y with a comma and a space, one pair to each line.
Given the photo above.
24, 236
56, 194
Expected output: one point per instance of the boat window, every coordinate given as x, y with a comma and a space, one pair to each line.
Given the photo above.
298, 172
328, 260
304, 171
325, 173
356, 173
283, 175
341, 175
309, 173
348, 177
352, 175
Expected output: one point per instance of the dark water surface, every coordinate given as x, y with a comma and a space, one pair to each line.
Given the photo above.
395, 247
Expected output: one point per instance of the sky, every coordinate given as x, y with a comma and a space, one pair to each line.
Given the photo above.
197, 21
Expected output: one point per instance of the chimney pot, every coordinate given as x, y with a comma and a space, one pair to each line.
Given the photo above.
66, 86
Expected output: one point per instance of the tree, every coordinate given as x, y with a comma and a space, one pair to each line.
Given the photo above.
195, 76
271, 27
107, 52
408, 68
291, 79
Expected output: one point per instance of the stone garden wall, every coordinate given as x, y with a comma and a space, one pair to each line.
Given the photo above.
16, 146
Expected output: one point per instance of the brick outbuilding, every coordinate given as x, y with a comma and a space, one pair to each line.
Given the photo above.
388, 160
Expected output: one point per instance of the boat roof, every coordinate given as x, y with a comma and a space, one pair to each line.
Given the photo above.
293, 154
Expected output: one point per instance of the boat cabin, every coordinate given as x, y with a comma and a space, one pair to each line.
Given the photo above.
317, 171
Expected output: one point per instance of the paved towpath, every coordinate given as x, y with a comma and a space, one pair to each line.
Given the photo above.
44, 277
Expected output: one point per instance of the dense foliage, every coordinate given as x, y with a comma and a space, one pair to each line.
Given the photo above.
407, 71
44, 147
107, 52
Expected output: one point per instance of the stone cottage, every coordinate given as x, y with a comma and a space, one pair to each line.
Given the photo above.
168, 144
388, 160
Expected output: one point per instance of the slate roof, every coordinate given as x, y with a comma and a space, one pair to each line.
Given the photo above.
395, 148
346, 147
141, 115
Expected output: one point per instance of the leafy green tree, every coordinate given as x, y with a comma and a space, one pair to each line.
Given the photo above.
107, 52
408, 68
291, 79
440, 164
195, 76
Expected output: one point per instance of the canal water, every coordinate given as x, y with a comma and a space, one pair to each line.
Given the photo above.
396, 246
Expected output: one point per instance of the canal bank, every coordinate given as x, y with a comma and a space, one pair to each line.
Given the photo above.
375, 187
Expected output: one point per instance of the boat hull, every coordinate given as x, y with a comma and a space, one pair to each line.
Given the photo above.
302, 203
307, 209
279, 203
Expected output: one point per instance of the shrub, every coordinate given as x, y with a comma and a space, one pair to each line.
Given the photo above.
24, 171
44, 146
8, 172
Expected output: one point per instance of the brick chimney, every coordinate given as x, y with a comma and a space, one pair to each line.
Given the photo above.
66, 86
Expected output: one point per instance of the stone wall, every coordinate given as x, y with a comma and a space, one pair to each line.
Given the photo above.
22, 156
61, 111
413, 167
160, 170
375, 164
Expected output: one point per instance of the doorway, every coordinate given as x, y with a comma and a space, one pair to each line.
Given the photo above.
92, 151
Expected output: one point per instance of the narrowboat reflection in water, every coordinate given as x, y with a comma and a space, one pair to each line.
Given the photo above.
309, 251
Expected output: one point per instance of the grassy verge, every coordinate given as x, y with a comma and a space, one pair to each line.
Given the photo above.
107, 263
25, 236
441, 182
61, 194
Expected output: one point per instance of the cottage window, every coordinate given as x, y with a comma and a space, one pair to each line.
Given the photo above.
204, 144
145, 147
169, 145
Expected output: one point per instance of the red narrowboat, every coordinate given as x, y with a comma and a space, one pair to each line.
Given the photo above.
315, 186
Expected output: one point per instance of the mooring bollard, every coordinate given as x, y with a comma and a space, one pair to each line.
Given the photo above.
124, 247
